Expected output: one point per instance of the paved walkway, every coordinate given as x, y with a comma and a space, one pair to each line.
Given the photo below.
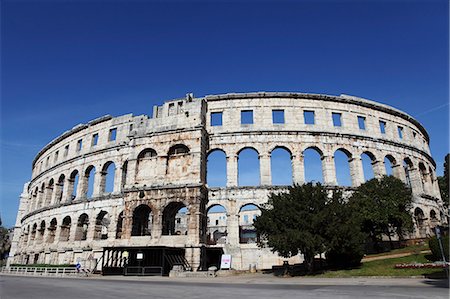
390, 256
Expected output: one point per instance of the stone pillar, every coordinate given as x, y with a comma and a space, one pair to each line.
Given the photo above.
379, 169
356, 171
117, 179
233, 229
399, 172
131, 170
298, 169
416, 184
157, 224
232, 171
98, 189
193, 227
265, 176
329, 171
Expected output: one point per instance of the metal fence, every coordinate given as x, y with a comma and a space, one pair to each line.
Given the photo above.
43, 271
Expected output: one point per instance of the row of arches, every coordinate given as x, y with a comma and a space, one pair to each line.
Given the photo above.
74, 185
346, 169
83, 184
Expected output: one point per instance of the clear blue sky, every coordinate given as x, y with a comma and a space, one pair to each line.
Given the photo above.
68, 62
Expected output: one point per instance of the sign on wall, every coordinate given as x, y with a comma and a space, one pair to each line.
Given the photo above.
225, 262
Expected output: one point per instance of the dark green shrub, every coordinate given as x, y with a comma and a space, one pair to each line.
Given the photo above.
435, 249
349, 257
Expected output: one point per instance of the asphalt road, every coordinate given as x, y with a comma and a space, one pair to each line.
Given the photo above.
18, 287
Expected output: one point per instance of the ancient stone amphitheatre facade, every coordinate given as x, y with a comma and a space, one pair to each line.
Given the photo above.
118, 189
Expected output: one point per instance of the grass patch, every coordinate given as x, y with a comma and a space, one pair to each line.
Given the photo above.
410, 249
385, 267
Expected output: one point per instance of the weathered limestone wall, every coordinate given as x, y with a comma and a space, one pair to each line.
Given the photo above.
161, 161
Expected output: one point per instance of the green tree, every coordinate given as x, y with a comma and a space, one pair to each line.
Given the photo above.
307, 220
5, 242
444, 181
384, 208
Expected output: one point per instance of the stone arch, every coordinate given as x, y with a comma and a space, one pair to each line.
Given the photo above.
107, 177
34, 198
313, 164
407, 167
281, 166
49, 192
146, 165
41, 231
342, 159
389, 164
216, 168
124, 174
89, 182
179, 161
175, 219
101, 226
142, 221
217, 224
119, 226
419, 218
248, 167
73, 185
33, 231
41, 196
82, 227
59, 189
247, 214
368, 160
424, 177
64, 234
52, 230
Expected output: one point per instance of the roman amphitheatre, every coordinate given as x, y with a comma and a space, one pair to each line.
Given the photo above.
138, 190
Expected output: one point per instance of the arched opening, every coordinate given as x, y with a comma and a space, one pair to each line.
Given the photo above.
216, 168
367, 160
178, 160
217, 225
142, 221
107, 177
49, 193
89, 177
119, 226
248, 167
433, 217
281, 166
342, 163
423, 177
247, 232
175, 219
432, 178
389, 163
64, 235
41, 195
124, 173
34, 197
73, 185
419, 218
33, 232
101, 226
407, 167
52, 231
312, 158
41, 232
82, 227
59, 188
147, 165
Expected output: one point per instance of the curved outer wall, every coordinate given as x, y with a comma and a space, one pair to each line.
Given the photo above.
161, 162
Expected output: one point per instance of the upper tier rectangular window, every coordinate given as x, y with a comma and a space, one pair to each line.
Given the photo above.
94, 139
336, 119
278, 116
400, 132
247, 117
309, 117
216, 118
66, 150
382, 127
112, 134
79, 145
362, 122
